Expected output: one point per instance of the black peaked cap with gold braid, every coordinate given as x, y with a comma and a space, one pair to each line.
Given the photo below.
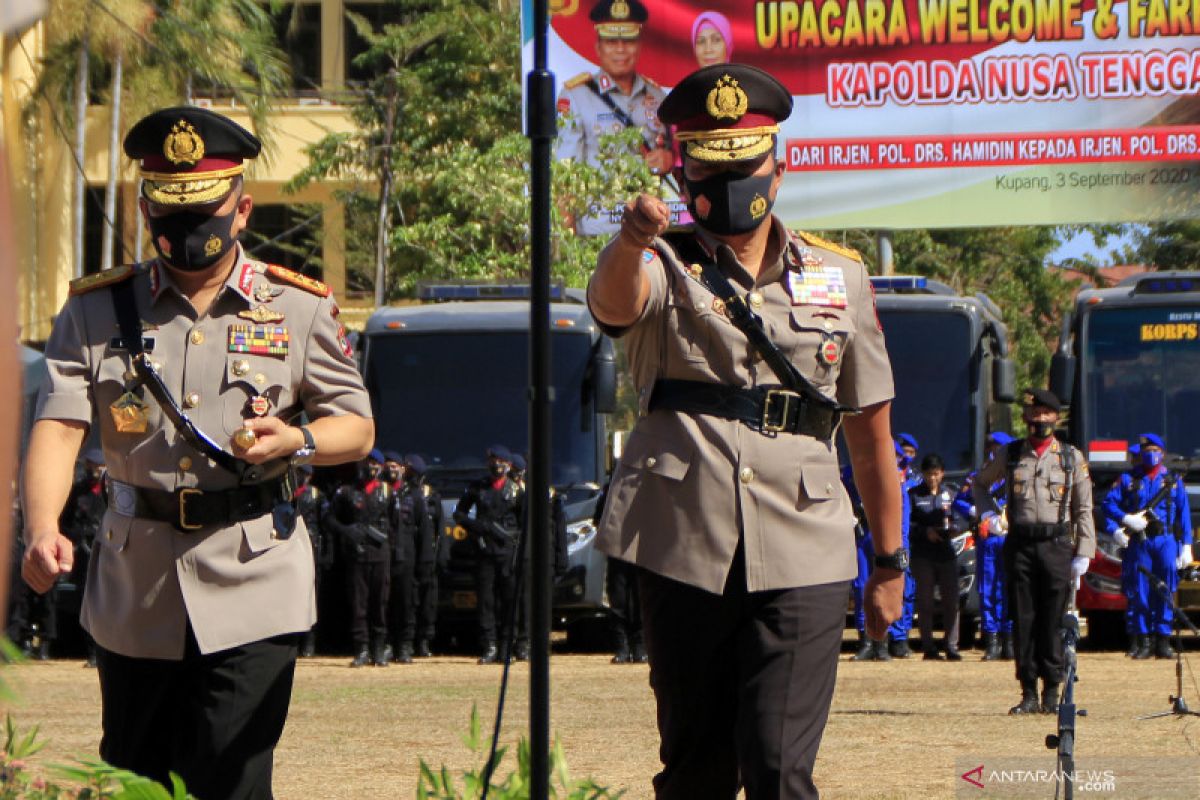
618, 19
189, 155
726, 112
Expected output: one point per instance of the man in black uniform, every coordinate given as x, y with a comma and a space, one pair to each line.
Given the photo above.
1051, 538
311, 505
81, 519
430, 554
410, 523
492, 510
625, 600
360, 518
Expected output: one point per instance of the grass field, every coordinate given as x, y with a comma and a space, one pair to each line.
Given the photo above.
899, 729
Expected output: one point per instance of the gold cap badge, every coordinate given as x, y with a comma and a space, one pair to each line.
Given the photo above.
183, 145
620, 10
727, 100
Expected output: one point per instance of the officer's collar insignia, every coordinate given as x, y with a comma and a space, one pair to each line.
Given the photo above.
261, 315
265, 293
619, 10
727, 100
606, 82
183, 145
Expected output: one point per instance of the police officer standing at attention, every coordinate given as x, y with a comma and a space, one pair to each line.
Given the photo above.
311, 505
430, 554
748, 345
1051, 538
1150, 504
360, 516
410, 527
492, 510
81, 520
196, 366
592, 105
995, 621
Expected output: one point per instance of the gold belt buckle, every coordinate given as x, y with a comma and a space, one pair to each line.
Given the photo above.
183, 523
781, 425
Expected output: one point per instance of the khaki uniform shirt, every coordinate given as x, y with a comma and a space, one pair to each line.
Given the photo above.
689, 486
584, 117
1039, 487
146, 580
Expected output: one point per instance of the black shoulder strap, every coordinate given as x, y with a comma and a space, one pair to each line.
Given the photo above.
1012, 455
617, 111
745, 320
129, 323
1066, 459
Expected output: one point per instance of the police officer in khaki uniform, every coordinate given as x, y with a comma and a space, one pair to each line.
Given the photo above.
727, 496
1051, 537
611, 99
197, 366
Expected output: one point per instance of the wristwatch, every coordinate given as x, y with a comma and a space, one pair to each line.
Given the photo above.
305, 454
897, 560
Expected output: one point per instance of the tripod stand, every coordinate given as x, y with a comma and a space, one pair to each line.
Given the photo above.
1179, 706
1064, 740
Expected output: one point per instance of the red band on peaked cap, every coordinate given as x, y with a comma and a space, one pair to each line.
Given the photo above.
703, 122
158, 163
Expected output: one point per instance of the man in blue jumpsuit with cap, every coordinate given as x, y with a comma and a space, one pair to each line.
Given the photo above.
994, 620
1150, 505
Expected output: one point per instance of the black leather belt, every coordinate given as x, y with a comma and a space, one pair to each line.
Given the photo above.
768, 409
1040, 532
193, 509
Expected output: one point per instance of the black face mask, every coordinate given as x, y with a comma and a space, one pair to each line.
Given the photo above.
736, 203
498, 468
411, 478
194, 241
390, 475
1040, 430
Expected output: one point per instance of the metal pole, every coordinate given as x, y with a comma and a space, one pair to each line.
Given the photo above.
541, 129
887, 256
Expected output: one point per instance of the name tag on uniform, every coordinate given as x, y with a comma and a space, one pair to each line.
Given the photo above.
823, 285
262, 340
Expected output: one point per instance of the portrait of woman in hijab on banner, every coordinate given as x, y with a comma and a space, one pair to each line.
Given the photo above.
712, 39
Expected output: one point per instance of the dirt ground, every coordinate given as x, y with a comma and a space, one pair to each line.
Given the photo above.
899, 729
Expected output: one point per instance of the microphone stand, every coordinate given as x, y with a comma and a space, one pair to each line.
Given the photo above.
1179, 706
1064, 740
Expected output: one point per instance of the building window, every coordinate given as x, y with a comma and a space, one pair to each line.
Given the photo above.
298, 31
93, 232
286, 234
378, 14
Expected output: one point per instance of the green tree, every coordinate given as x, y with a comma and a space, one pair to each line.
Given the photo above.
1173, 245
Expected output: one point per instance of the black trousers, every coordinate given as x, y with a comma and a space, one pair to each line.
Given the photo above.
402, 604
1039, 588
625, 599
427, 603
930, 574
369, 586
213, 719
496, 587
743, 683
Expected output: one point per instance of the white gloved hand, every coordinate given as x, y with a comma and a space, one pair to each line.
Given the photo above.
1134, 522
1120, 538
1079, 567
1185, 557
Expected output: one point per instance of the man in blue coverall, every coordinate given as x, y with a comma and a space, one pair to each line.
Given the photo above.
1158, 537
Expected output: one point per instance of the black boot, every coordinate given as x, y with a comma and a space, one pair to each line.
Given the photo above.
382, 655
1049, 698
991, 650
490, 653
1143, 650
881, 650
1006, 648
363, 658
404, 653
521, 651
952, 653
43, 650
1131, 651
621, 651
898, 648
308, 646
1162, 647
1029, 700
866, 652
423, 650
637, 654
930, 652
91, 656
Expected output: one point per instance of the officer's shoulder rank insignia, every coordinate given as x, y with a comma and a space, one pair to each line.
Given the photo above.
98, 280
578, 80
817, 241
306, 283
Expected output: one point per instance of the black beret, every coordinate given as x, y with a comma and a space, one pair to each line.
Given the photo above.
189, 155
415, 463
392, 455
1041, 397
618, 19
501, 452
726, 112
94, 456
518, 462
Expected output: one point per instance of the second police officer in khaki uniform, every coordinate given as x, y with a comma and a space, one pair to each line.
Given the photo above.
195, 366
1051, 537
728, 496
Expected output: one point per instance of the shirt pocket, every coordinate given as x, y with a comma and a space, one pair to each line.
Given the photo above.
650, 455
1020, 482
816, 341
260, 535
691, 320
248, 378
114, 534
818, 483
110, 387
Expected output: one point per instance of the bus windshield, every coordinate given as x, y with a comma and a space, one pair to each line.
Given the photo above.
931, 354
1141, 373
449, 396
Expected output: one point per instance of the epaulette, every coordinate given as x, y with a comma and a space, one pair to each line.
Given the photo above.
651, 81
578, 80
96, 280
296, 279
817, 241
